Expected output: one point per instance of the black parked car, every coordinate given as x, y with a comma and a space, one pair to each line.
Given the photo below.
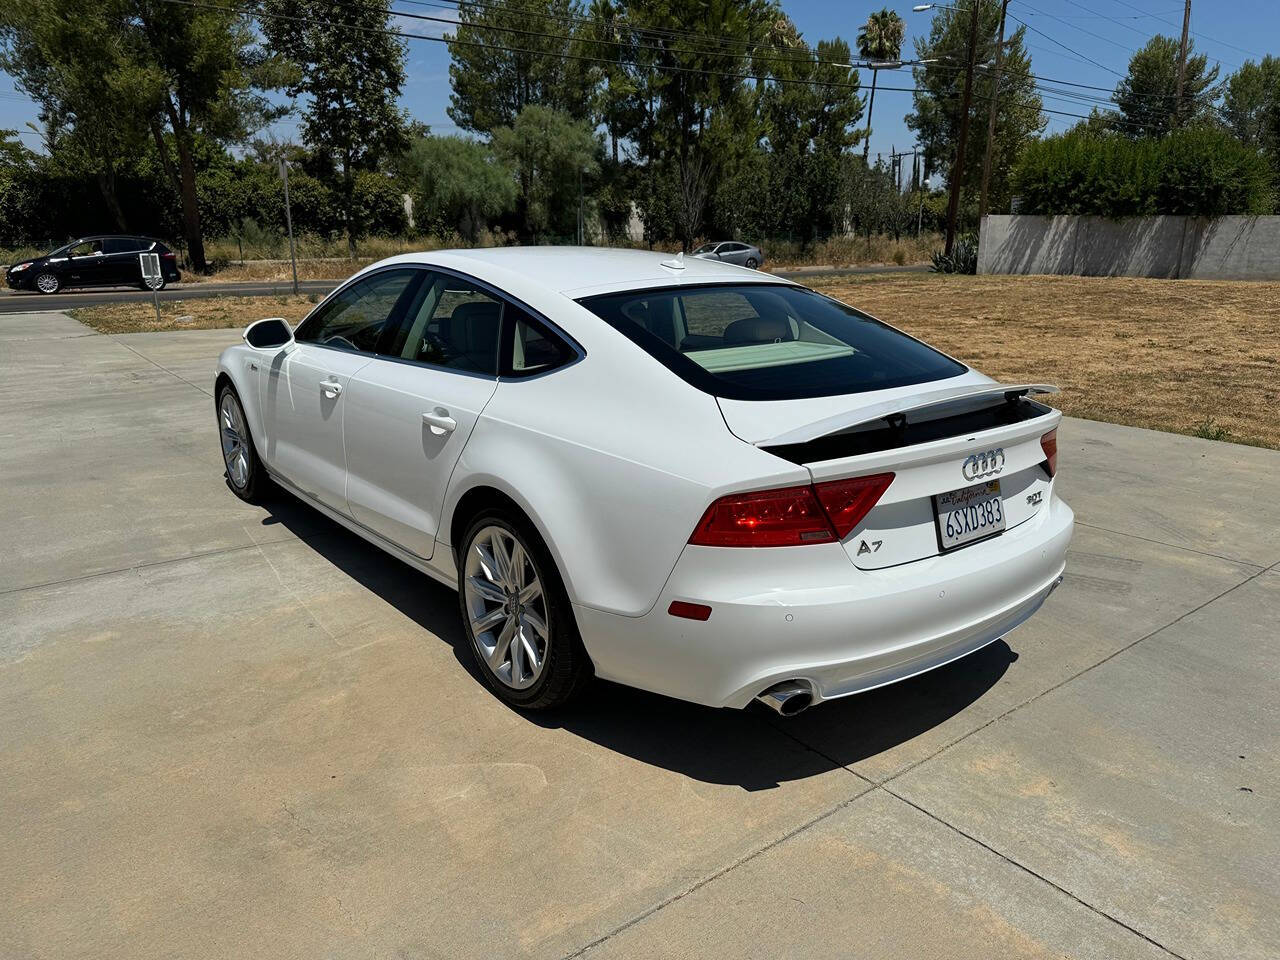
93, 262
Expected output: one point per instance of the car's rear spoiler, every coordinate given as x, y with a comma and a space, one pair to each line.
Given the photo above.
902, 405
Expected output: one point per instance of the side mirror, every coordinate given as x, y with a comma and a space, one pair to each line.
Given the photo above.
264, 334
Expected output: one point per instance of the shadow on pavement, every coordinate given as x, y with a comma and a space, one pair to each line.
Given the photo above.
753, 748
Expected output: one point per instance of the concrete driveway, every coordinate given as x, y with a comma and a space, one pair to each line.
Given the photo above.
228, 731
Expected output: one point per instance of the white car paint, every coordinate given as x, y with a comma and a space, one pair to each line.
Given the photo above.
614, 459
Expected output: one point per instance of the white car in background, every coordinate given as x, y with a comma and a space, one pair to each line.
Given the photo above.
676, 474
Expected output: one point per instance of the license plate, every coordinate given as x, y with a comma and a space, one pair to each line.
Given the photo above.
968, 514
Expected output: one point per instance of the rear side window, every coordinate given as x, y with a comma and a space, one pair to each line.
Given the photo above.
534, 348
453, 323
767, 342
121, 245
355, 318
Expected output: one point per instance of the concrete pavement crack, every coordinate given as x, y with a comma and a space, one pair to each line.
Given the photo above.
158, 563
883, 786
161, 366
1165, 543
1039, 876
710, 878
1080, 673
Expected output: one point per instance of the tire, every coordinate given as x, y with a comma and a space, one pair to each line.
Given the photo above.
46, 282
245, 474
486, 596
752, 263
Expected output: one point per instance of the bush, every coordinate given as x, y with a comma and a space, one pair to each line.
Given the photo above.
1196, 171
963, 258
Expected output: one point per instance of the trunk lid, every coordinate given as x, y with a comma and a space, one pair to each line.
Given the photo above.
926, 439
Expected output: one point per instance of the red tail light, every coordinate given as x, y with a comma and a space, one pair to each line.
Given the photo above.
168, 256
790, 516
765, 518
1049, 444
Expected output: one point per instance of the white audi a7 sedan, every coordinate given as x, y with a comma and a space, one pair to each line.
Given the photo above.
681, 475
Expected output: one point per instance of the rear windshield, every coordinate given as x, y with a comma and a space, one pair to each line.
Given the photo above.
766, 342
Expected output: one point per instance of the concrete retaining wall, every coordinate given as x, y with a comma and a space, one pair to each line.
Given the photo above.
1222, 248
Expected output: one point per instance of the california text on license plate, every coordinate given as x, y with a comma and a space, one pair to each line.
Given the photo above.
968, 514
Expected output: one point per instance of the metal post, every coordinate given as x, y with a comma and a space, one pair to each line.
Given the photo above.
957, 169
991, 118
288, 222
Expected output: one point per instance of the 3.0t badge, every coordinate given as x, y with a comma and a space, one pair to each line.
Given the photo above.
986, 464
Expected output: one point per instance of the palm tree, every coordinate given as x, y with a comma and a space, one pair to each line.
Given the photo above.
879, 39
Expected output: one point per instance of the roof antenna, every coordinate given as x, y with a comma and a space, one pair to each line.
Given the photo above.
677, 263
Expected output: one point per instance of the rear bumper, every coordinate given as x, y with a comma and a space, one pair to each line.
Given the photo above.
807, 613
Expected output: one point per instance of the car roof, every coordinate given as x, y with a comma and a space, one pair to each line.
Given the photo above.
582, 271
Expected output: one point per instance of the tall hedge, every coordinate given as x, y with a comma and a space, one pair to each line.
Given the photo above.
1197, 171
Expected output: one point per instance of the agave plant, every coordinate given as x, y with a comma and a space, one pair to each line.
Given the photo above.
962, 259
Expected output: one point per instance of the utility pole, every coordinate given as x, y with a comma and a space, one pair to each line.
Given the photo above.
957, 168
288, 221
1182, 63
991, 118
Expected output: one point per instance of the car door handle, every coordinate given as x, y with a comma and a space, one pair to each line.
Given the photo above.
330, 387
440, 422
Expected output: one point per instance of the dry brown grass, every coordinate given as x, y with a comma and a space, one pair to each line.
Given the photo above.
206, 313
1197, 357
279, 271
1188, 356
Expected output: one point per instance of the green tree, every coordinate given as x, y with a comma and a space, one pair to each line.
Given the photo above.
109, 74
936, 115
810, 113
1147, 96
879, 39
1251, 106
459, 185
551, 154
351, 69
492, 85
694, 109
1199, 170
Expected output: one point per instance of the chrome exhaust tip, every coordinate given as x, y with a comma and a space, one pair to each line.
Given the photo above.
788, 697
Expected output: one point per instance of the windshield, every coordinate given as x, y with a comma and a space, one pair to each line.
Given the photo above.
766, 342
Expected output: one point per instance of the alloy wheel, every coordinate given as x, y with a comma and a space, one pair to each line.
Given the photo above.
235, 440
506, 607
47, 283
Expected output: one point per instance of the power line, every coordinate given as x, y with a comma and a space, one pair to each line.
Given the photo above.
1096, 36
1194, 33
1075, 53
704, 37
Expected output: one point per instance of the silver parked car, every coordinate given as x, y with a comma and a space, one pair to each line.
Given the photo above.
730, 251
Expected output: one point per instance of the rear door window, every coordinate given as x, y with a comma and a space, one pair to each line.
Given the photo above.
451, 322
769, 342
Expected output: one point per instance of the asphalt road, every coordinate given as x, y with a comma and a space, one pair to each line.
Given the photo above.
230, 731
12, 301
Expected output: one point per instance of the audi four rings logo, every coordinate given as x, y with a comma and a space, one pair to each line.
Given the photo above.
985, 464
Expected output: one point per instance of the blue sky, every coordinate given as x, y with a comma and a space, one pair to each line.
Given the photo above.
1071, 34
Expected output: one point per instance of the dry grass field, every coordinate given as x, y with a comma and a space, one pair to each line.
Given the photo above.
1187, 356
1197, 357
204, 313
